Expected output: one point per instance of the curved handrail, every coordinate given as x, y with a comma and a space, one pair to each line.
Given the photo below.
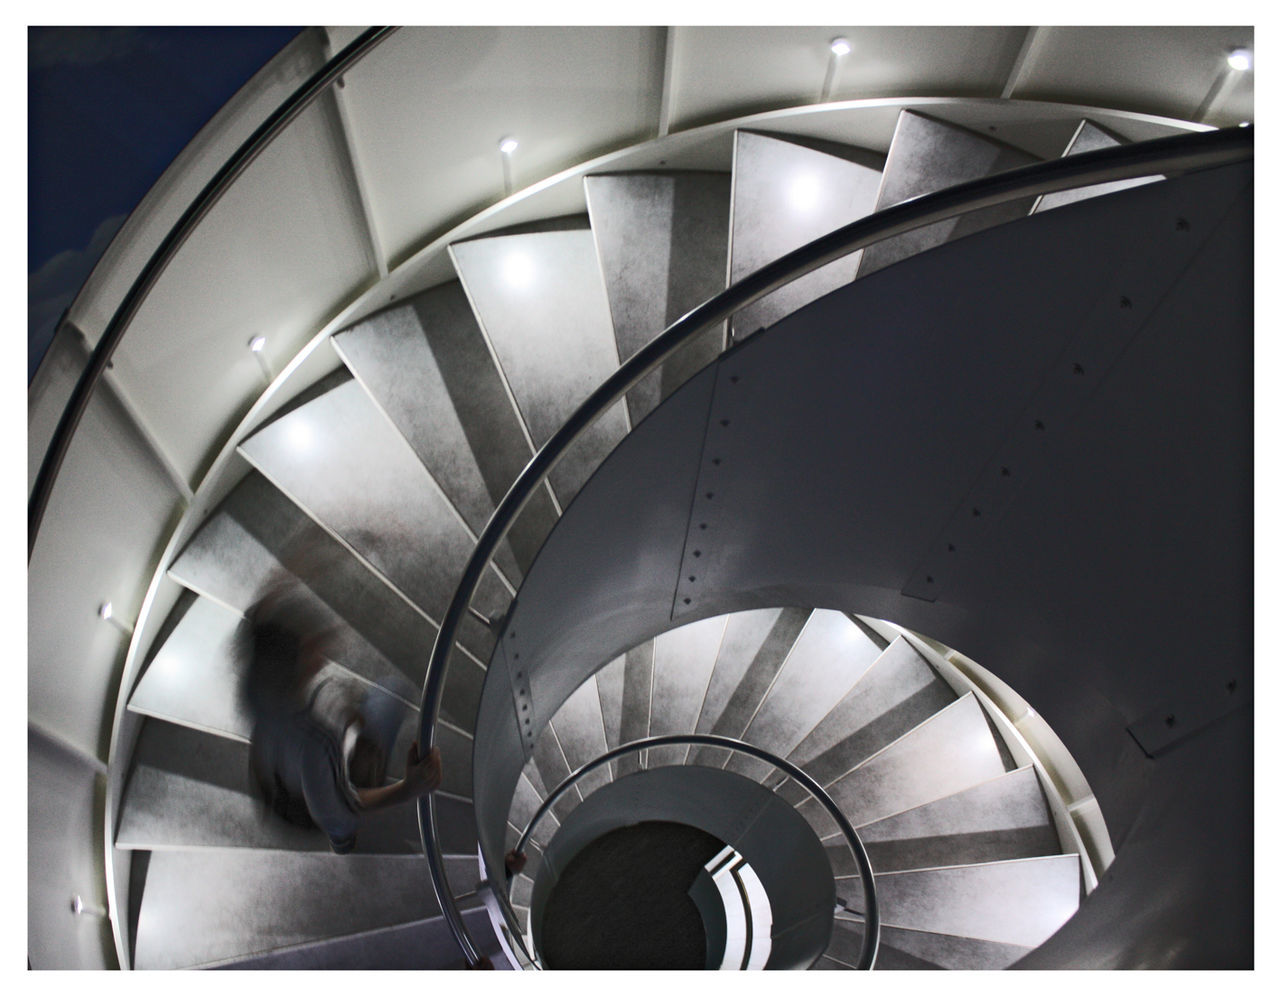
870, 941
1180, 153
209, 195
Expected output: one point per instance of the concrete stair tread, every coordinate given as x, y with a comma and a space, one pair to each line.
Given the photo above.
342, 461
683, 660
786, 193
826, 661
212, 905
421, 945
1088, 137
416, 362
927, 155
539, 297
906, 773
1019, 901
913, 949
662, 240
257, 537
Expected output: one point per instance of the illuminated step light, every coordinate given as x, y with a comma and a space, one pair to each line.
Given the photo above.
507, 146
1240, 60
257, 343
840, 47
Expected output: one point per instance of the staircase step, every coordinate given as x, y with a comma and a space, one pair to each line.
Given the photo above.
682, 663
549, 762
927, 156
829, 657
426, 364
1004, 818
540, 299
908, 949
637, 699
342, 461
1020, 901
610, 686
897, 693
194, 676
579, 728
948, 753
1088, 137
662, 239
755, 645
846, 944
190, 790
787, 193
422, 945
257, 537
209, 906
524, 804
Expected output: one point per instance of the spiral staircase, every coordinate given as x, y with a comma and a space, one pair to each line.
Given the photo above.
372, 463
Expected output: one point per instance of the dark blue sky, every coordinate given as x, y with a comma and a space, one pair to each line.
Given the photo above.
108, 110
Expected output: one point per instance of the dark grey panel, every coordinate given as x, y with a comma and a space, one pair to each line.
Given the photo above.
663, 240
854, 443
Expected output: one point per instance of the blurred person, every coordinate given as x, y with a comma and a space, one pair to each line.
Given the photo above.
320, 740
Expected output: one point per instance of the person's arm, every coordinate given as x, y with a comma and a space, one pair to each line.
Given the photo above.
421, 776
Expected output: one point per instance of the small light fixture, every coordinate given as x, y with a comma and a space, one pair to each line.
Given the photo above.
257, 343
508, 145
104, 611
840, 47
1240, 59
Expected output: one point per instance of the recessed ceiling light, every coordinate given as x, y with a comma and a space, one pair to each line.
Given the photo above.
841, 46
507, 146
1240, 59
257, 343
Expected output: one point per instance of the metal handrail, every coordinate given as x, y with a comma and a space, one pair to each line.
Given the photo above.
1176, 154
209, 195
870, 941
